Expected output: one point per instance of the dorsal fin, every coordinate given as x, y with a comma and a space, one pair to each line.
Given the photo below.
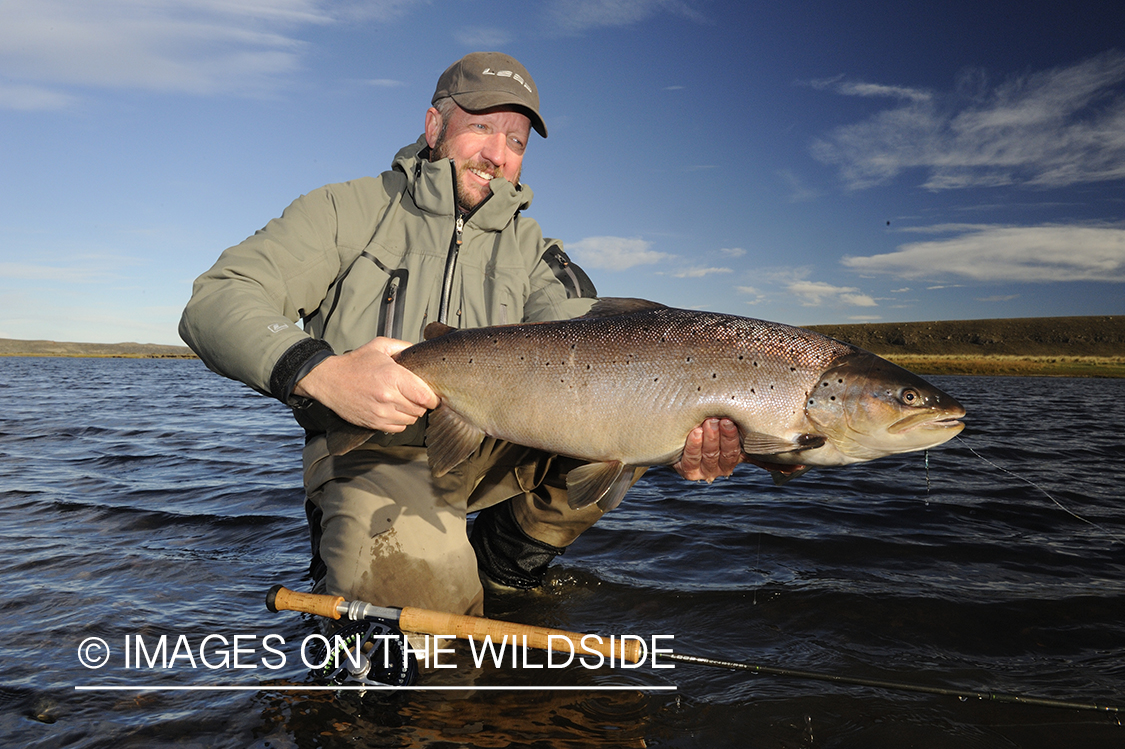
435, 329
611, 306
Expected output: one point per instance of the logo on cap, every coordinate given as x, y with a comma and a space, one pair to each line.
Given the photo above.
508, 74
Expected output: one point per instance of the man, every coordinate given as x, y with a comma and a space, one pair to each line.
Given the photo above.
366, 265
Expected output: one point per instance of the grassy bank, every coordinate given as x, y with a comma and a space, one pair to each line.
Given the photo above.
1018, 366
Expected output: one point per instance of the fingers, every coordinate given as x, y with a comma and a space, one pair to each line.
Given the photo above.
415, 393
369, 388
711, 450
730, 447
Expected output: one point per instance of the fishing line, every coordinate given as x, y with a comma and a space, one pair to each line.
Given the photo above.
1045, 492
758, 565
961, 694
927, 462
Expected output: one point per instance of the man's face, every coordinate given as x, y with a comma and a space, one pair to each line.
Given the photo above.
482, 145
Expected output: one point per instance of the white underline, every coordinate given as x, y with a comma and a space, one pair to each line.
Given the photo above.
372, 688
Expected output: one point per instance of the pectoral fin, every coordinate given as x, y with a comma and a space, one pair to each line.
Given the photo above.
756, 443
343, 436
450, 439
604, 483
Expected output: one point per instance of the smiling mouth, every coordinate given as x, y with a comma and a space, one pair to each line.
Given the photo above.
482, 174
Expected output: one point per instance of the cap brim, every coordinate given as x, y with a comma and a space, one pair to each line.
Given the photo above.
476, 101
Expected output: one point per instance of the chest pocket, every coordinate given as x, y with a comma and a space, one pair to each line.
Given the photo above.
376, 315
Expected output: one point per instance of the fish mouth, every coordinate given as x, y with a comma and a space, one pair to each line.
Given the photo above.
928, 422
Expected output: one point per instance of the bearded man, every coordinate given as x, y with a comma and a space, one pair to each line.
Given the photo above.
365, 265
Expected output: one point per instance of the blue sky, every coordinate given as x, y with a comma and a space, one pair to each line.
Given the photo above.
810, 162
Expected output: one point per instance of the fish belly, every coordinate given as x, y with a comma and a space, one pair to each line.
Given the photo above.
631, 397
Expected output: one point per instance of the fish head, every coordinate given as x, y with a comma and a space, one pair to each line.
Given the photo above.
868, 407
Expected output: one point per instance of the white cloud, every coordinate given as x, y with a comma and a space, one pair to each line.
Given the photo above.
1054, 128
1009, 253
77, 273
48, 47
572, 16
698, 272
732, 251
816, 293
482, 37
22, 97
798, 191
755, 295
848, 88
614, 253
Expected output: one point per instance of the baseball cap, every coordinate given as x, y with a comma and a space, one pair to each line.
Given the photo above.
481, 80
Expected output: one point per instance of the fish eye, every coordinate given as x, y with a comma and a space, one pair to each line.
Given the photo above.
910, 396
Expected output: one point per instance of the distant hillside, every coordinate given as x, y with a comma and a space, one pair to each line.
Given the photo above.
1064, 346
14, 347
1030, 336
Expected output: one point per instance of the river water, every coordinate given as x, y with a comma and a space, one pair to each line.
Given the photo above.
150, 498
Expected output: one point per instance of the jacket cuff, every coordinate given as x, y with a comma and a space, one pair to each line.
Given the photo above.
294, 364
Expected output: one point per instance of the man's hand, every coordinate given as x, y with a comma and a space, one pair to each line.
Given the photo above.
712, 449
369, 388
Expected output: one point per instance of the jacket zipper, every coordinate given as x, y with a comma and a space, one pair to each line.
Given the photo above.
450, 267
454, 248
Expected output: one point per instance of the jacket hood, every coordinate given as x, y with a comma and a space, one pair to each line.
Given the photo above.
430, 184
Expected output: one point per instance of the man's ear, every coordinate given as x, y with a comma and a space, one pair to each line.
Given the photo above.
433, 126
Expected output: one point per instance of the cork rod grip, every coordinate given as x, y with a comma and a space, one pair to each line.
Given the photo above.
281, 598
542, 638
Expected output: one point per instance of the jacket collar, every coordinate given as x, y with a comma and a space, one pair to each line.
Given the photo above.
430, 184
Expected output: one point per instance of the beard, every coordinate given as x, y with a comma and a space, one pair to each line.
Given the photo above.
468, 193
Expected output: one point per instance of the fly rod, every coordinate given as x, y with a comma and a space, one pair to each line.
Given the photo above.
438, 623
441, 624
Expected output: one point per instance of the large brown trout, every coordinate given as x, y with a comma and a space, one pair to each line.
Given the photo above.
622, 387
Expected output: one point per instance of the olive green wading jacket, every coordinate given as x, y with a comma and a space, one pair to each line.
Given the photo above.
360, 259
